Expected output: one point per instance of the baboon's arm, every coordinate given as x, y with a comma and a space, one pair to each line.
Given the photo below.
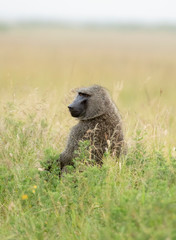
67, 156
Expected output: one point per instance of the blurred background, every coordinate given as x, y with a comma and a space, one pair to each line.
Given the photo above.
49, 47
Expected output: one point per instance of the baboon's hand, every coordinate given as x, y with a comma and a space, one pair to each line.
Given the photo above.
64, 160
60, 163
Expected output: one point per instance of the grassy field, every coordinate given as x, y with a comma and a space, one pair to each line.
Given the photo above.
133, 197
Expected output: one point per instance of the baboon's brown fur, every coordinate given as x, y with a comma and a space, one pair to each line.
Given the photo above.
101, 124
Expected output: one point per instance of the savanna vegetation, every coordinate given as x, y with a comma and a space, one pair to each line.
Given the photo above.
133, 197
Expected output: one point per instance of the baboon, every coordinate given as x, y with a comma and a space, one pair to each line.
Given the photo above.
99, 122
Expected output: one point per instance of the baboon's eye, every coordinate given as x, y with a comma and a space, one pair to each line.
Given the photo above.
83, 94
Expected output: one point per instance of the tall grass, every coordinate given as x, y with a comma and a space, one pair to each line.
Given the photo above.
129, 198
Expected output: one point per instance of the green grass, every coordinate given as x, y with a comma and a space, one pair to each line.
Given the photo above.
129, 198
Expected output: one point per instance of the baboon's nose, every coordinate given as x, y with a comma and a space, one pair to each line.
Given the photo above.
70, 107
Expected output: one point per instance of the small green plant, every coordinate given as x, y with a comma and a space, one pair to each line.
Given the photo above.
51, 168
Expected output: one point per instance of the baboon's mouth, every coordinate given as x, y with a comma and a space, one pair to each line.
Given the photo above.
74, 113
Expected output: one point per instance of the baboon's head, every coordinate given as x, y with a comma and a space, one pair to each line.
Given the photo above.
90, 103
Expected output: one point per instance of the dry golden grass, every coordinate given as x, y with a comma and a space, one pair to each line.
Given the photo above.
138, 67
